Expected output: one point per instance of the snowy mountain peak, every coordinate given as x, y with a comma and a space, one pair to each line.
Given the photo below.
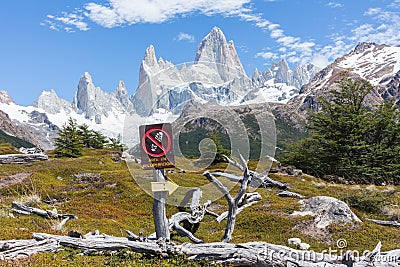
121, 88
216, 34
211, 48
361, 47
376, 63
5, 98
122, 96
150, 58
149, 65
283, 63
215, 49
86, 76
371, 61
89, 99
50, 102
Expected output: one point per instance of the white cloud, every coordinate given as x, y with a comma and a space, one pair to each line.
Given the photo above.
127, 12
334, 4
276, 33
102, 15
267, 55
273, 26
75, 19
263, 24
184, 37
383, 29
120, 12
287, 40
320, 60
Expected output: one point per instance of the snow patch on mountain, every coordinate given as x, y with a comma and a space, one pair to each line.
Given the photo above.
372, 62
378, 64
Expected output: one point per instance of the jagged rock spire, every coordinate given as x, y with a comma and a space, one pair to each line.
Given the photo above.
215, 49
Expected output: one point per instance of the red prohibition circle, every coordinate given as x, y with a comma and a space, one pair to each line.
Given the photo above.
158, 144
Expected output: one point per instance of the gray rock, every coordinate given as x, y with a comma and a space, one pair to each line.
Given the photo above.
304, 246
295, 241
326, 210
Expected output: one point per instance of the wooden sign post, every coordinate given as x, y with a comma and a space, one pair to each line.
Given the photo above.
157, 154
159, 212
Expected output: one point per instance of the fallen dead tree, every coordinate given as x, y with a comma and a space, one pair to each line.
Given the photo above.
385, 223
49, 214
16, 249
22, 158
244, 254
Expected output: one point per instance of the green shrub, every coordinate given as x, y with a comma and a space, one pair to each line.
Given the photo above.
367, 201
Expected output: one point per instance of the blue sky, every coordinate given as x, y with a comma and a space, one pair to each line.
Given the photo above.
48, 44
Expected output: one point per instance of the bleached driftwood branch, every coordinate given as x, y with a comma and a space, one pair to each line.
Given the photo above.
257, 179
94, 243
190, 220
16, 249
22, 158
50, 214
386, 223
232, 202
244, 254
285, 193
247, 200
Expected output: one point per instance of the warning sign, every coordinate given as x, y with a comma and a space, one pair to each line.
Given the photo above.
157, 147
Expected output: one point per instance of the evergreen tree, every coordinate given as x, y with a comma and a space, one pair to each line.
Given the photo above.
99, 140
350, 140
92, 138
86, 135
114, 143
219, 155
68, 143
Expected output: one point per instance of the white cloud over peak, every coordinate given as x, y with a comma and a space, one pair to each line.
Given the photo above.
267, 55
384, 29
381, 24
121, 12
116, 13
184, 37
128, 12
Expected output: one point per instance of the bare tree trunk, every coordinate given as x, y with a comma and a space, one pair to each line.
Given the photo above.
232, 202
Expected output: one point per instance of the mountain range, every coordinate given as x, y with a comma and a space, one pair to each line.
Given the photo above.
377, 63
216, 75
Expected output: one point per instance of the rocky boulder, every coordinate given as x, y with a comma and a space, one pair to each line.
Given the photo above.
326, 210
